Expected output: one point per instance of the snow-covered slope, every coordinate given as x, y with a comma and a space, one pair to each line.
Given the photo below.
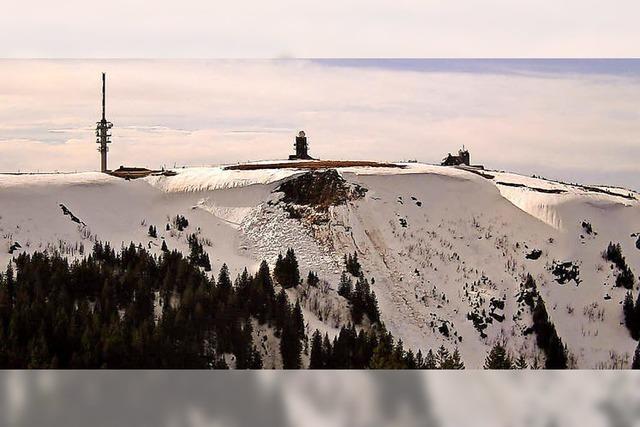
440, 243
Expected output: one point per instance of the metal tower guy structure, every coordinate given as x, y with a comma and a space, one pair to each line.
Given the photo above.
103, 137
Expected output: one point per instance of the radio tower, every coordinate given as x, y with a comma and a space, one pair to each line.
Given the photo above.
103, 137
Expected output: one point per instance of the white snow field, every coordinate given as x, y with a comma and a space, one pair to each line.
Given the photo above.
440, 242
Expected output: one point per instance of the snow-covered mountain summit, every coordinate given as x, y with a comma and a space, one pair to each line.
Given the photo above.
448, 248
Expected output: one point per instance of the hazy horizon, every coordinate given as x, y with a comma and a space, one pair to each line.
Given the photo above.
573, 120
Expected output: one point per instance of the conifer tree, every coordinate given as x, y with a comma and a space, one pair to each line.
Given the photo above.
292, 265
410, 360
636, 358
312, 279
298, 320
279, 268
243, 347
556, 353
442, 357
281, 310
498, 358
398, 351
198, 256
385, 355
11, 285
520, 362
547, 338
224, 282
317, 355
181, 222
205, 262
430, 361
630, 318
352, 264
625, 278
290, 347
456, 360
419, 360
264, 278
345, 287
614, 254
286, 270
536, 363
327, 352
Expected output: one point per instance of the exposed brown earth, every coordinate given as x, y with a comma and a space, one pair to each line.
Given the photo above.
312, 165
134, 173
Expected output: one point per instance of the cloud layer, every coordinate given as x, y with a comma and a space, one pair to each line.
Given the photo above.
576, 126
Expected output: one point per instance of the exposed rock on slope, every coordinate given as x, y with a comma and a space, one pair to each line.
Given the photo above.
67, 212
320, 190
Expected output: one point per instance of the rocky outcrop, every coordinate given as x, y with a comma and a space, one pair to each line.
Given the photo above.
319, 190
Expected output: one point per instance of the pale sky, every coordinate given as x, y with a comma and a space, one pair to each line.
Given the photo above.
330, 28
572, 120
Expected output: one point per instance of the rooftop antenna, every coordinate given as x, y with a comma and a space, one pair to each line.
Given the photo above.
103, 137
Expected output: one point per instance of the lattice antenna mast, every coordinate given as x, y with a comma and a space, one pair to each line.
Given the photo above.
103, 135
103, 96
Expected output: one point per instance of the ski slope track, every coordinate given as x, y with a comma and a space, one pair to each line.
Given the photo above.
440, 242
